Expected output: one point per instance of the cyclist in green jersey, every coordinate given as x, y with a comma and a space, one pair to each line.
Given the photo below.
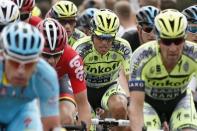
103, 55
191, 15
65, 12
160, 73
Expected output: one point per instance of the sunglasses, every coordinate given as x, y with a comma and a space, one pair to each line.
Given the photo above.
24, 16
192, 29
147, 28
56, 55
64, 21
104, 37
168, 42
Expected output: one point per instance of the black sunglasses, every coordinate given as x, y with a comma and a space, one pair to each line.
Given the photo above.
147, 29
24, 16
169, 42
67, 21
192, 29
103, 37
46, 55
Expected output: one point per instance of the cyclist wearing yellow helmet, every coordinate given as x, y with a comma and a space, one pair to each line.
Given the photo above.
65, 12
160, 73
104, 55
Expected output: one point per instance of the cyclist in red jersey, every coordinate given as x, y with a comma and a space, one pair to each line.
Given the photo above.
69, 67
26, 7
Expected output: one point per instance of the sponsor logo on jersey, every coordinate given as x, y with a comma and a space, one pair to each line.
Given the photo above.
166, 94
121, 47
168, 82
139, 61
75, 63
103, 69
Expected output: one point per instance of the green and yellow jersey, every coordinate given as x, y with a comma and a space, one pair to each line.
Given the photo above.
77, 34
102, 70
148, 72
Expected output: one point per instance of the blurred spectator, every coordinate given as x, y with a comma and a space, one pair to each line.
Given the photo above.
167, 4
109, 4
90, 4
126, 16
145, 27
156, 3
44, 6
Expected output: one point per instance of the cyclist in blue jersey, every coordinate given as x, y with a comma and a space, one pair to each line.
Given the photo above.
25, 78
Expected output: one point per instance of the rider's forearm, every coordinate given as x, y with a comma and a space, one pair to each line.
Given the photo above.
123, 81
136, 118
84, 109
136, 110
85, 114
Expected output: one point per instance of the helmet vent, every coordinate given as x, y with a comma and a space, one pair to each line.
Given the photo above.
12, 7
8, 39
4, 10
179, 23
32, 41
163, 24
17, 40
108, 22
25, 43
172, 24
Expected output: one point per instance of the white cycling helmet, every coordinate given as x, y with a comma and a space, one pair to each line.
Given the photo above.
9, 12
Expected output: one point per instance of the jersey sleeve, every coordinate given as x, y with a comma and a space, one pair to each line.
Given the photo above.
76, 74
138, 60
127, 57
47, 89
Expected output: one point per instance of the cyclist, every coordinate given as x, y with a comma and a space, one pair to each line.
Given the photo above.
103, 55
26, 7
69, 67
160, 73
11, 14
191, 15
145, 24
25, 77
84, 20
65, 12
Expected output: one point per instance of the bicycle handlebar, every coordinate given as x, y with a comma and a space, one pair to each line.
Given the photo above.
114, 122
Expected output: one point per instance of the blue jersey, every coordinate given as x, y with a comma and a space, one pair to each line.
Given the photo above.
42, 85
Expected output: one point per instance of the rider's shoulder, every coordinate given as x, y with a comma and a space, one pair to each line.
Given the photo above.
44, 69
82, 41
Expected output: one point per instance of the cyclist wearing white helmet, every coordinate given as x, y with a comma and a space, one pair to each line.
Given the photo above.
9, 12
70, 71
25, 77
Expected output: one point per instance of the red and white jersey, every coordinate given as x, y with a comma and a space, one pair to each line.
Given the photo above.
71, 65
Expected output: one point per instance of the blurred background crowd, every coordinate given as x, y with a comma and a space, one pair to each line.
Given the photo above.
45, 5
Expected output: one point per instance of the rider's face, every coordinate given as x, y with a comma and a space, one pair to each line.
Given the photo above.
52, 59
171, 49
102, 45
146, 33
69, 25
192, 33
18, 74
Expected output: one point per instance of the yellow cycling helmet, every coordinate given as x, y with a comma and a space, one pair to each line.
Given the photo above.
105, 23
170, 24
36, 11
63, 9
